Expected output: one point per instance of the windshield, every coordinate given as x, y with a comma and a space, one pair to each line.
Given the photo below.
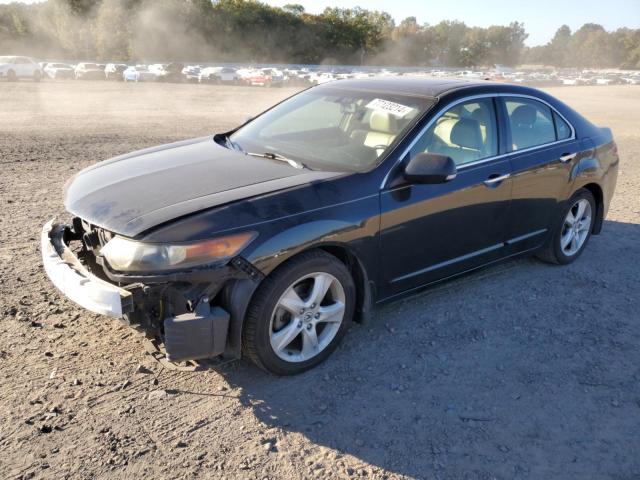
332, 128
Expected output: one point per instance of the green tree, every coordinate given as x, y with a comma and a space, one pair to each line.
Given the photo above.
557, 51
590, 46
249, 30
112, 31
294, 8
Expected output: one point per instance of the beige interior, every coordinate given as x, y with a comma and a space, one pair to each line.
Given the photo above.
383, 129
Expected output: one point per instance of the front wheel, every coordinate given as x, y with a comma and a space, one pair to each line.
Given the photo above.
299, 314
573, 229
37, 76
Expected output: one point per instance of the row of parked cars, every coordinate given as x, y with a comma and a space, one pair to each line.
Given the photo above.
16, 67
164, 72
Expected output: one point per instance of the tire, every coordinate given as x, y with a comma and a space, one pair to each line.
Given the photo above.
11, 76
266, 317
557, 250
37, 76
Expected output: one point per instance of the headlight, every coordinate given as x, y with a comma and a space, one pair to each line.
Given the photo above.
127, 255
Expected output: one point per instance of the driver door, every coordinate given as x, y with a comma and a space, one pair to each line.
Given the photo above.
432, 231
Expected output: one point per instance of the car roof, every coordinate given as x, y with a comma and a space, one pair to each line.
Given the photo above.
417, 86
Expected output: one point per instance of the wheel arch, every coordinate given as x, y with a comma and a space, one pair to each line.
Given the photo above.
364, 285
598, 195
237, 295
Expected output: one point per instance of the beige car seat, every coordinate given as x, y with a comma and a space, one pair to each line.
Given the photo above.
460, 138
383, 129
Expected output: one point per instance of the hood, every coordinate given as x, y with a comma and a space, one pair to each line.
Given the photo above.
133, 193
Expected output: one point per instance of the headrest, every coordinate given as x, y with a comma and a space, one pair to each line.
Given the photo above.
383, 122
466, 133
524, 116
480, 114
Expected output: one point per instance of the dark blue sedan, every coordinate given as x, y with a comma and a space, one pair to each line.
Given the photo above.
270, 239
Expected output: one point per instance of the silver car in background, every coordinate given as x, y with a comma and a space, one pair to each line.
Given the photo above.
14, 67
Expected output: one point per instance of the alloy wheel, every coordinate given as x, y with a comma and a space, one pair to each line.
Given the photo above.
307, 317
575, 230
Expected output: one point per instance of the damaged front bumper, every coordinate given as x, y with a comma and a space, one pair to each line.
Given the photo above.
189, 325
75, 281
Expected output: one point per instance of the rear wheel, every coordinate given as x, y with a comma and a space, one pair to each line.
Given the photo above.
299, 314
11, 76
572, 230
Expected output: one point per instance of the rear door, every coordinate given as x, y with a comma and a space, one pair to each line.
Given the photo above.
429, 232
543, 148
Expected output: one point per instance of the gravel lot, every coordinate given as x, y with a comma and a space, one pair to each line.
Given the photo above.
523, 370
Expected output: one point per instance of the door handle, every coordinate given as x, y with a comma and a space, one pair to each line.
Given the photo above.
567, 157
489, 182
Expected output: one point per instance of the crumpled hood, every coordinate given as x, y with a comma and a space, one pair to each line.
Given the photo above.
132, 193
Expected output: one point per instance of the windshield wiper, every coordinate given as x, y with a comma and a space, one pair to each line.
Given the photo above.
275, 156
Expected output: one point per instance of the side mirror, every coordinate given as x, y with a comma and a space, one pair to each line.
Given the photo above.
430, 168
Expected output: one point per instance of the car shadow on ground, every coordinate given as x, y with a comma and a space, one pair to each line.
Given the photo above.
517, 371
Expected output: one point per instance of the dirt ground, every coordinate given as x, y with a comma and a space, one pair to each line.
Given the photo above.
523, 370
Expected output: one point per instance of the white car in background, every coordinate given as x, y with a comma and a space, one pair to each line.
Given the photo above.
219, 75
158, 69
318, 78
113, 71
192, 73
138, 73
58, 71
14, 67
89, 71
275, 77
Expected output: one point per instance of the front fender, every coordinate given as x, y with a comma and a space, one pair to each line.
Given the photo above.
236, 296
282, 246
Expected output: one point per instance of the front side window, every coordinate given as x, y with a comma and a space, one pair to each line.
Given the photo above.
332, 128
531, 123
467, 132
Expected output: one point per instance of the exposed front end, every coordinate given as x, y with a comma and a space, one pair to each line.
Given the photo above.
181, 308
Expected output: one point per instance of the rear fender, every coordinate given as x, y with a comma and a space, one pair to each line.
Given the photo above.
588, 167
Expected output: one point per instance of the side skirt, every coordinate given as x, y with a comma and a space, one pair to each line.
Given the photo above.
425, 286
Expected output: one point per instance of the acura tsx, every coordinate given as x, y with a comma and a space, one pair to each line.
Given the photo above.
269, 239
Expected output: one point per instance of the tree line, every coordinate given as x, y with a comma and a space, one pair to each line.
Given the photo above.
251, 31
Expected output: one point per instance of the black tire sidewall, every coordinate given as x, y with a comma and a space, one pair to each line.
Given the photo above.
261, 311
559, 254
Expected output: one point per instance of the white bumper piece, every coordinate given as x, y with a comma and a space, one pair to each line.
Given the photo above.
75, 281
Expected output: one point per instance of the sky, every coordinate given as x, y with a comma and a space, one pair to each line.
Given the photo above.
540, 17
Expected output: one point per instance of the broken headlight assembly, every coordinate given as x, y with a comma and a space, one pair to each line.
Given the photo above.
125, 255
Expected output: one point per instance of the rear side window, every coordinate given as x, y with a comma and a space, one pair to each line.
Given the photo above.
531, 123
563, 130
